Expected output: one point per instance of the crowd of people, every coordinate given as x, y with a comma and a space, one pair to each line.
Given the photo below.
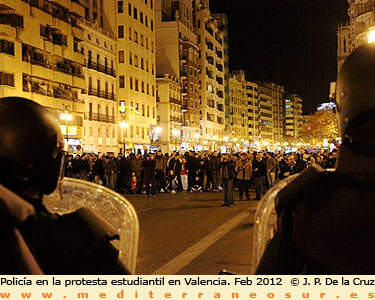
152, 173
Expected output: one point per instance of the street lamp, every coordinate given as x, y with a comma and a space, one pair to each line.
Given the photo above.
66, 117
371, 35
124, 126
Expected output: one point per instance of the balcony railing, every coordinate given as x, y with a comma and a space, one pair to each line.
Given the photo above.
175, 101
100, 118
101, 94
175, 119
101, 68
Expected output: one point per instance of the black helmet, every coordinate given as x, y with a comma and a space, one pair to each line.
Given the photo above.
356, 95
31, 145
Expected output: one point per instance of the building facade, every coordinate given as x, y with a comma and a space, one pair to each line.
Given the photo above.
238, 120
40, 59
177, 55
212, 77
360, 29
136, 72
101, 108
293, 117
169, 113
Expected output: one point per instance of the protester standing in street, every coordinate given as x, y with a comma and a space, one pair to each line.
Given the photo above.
227, 167
244, 172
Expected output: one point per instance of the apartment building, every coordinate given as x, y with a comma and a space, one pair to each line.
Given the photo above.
252, 91
293, 117
169, 113
99, 48
212, 76
238, 120
40, 59
177, 55
136, 71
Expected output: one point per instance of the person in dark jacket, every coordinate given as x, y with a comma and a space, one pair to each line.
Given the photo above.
214, 166
260, 175
227, 173
150, 175
161, 170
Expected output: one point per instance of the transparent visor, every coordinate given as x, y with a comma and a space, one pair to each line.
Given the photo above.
72, 194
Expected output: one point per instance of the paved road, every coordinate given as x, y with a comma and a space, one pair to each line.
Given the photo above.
193, 234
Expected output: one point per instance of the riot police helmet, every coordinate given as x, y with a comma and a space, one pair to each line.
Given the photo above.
355, 96
31, 145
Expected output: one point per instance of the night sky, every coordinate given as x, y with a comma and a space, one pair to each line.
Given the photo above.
290, 42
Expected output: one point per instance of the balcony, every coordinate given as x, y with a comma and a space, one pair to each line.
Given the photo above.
362, 8
175, 119
101, 68
100, 118
175, 101
101, 94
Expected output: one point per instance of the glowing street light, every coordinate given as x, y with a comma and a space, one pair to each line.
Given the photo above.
124, 125
66, 117
235, 139
371, 35
158, 130
197, 135
175, 132
226, 139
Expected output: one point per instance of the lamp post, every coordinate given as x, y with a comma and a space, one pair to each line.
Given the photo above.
66, 117
124, 126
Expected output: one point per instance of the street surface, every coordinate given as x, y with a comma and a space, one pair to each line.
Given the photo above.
191, 233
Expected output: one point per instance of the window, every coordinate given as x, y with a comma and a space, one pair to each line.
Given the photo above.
153, 112
130, 9
137, 131
6, 47
142, 44
141, 17
122, 81
6, 79
136, 60
143, 86
131, 82
120, 6
136, 37
142, 64
153, 91
136, 85
121, 31
151, 3
121, 58
143, 110
147, 65
152, 69
152, 25
146, 21
148, 111
130, 58
130, 33
146, 43
152, 47
135, 13
148, 89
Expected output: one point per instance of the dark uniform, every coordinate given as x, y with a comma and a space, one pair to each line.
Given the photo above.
31, 155
326, 219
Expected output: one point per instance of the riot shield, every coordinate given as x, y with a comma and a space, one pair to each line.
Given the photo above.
265, 221
73, 194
